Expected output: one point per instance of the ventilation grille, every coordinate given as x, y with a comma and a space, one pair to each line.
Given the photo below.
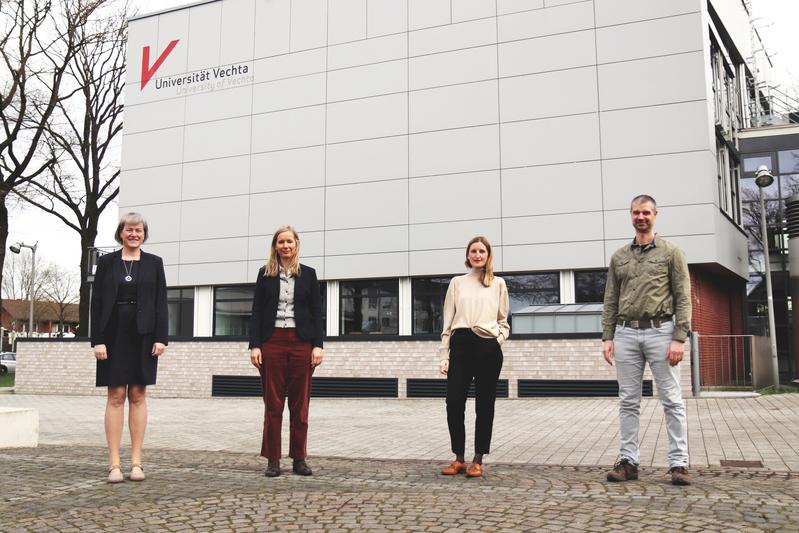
437, 388
553, 388
239, 386
792, 215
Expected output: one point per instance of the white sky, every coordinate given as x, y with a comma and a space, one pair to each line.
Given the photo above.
776, 24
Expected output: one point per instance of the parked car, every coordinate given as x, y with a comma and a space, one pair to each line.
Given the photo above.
8, 363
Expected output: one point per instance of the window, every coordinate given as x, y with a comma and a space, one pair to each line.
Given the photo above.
532, 289
589, 286
323, 291
428, 304
789, 161
232, 309
369, 307
752, 163
181, 311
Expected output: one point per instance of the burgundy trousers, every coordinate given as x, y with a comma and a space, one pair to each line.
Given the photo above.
286, 370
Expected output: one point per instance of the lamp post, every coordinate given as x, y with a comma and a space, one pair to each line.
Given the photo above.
17, 248
763, 179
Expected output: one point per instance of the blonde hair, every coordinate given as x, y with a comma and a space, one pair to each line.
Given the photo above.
488, 270
272, 268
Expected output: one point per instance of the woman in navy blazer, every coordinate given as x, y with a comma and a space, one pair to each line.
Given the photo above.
129, 326
286, 341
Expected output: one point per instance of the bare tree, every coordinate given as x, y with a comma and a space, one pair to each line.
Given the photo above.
38, 41
16, 283
81, 134
62, 290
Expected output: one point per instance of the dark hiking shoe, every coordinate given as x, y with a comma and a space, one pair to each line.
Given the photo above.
301, 468
272, 469
623, 470
679, 475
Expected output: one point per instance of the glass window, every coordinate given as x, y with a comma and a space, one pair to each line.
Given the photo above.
751, 163
532, 289
369, 307
428, 304
589, 286
789, 161
750, 193
181, 311
323, 291
232, 309
789, 185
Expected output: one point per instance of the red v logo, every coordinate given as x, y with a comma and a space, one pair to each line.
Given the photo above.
147, 71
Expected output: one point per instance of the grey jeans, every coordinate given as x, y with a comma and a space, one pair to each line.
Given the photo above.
634, 348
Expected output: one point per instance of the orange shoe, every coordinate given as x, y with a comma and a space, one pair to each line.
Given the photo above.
456, 467
474, 470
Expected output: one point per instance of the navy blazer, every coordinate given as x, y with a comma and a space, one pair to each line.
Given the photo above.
152, 316
307, 308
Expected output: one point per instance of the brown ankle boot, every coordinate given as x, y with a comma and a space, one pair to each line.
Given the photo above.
623, 470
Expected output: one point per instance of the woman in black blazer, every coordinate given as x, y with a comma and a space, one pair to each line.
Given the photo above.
286, 341
129, 326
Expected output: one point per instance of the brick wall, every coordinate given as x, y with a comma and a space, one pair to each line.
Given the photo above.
185, 370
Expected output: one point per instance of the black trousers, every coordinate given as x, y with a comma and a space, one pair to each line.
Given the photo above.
472, 358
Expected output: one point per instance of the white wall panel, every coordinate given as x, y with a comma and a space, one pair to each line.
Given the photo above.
386, 16
386, 265
204, 36
294, 128
671, 220
289, 65
366, 240
441, 262
679, 128
220, 138
574, 49
666, 178
471, 104
556, 3
219, 105
272, 18
650, 38
564, 92
308, 24
513, 6
289, 93
453, 37
171, 26
426, 13
170, 253
620, 11
448, 68
346, 21
551, 140
304, 209
141, 33
216, 177
153, 115
453, 197
372, 160
159, 147
237, 31
450, 151
150, 185
541, 22
379, 116
658, 80
213, 273
214, 218
558, 256
214, 250
369, 80
473, 9
454, 235
540, 190
354, 206
288, 169
567, 227
373, 50
163, 221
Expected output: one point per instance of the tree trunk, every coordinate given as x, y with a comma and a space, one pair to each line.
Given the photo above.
87, 238
3, 242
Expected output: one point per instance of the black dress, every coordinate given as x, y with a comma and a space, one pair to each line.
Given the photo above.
130, 360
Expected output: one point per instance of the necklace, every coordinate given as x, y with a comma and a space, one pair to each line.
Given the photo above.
128, 271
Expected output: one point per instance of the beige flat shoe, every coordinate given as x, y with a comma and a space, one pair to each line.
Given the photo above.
136, 472
115, 474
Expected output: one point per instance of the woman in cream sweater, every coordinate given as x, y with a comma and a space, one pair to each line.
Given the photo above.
475, 326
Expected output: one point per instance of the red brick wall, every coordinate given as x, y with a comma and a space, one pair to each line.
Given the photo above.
717, 299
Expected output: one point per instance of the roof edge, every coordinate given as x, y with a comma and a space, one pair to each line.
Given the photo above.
171, 9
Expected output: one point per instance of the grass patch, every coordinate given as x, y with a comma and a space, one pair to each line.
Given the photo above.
784, 389
7, 380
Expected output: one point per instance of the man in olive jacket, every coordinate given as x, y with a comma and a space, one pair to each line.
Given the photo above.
646, 319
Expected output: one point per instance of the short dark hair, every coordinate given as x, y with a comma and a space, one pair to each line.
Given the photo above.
641, 198
131, 218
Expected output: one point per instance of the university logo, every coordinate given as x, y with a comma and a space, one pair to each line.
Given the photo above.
147, 71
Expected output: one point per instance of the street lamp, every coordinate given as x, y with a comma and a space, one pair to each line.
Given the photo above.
763, 179
17, 248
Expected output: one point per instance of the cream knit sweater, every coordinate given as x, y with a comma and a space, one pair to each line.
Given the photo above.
470, 304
